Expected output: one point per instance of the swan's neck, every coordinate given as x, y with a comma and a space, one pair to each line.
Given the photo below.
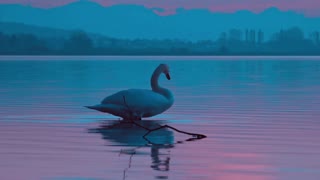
154, 80
155, 85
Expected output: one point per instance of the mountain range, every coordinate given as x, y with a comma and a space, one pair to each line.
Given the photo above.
134, 21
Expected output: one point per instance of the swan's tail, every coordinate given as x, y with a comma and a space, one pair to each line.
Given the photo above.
108, 108
98, 107
91, 107
115, 110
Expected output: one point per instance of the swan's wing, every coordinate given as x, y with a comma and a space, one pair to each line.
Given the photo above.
116, 98
139, 100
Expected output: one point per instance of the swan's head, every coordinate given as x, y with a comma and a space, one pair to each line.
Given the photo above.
165, 70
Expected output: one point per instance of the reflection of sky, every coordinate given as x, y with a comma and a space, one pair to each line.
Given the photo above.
39, 150
261, 119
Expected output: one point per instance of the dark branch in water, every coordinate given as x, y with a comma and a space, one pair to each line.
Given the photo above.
131, 116
129, 166
196, 136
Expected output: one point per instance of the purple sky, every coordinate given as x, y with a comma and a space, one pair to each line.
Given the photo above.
308, 7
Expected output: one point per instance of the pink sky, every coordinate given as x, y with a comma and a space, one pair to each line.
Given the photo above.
309, 7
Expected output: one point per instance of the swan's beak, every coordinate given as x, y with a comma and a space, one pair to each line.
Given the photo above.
168, 76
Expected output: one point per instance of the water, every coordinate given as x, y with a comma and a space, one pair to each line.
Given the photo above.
261, 119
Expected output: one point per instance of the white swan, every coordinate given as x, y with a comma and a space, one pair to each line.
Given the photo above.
133, 104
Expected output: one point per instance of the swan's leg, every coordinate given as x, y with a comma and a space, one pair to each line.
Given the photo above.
138, 118
133, 115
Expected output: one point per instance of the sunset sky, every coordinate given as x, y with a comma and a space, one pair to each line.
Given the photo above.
308, 7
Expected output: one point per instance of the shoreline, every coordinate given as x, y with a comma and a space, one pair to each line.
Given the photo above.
93, 57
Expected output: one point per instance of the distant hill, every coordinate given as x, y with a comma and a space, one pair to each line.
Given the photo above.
133, 21
43, 32
54, 37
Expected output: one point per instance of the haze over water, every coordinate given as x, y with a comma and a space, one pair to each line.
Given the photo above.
261, 118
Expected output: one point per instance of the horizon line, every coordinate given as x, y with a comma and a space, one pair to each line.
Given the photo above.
162, 57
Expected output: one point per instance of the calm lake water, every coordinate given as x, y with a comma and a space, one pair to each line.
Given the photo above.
261, 118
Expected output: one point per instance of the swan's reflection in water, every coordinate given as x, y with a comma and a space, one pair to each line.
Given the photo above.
130, 135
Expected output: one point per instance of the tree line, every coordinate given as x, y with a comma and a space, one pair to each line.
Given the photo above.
290, 41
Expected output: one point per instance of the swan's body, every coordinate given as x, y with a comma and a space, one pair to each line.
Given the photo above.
134, 104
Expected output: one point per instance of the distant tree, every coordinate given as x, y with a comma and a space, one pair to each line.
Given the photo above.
3, 39
289, 35
22, 44
223, 50
285, 42
235, 35
291, 41
315, 37
79, 43
30, 44
260, 37
222, 40
252, 36
247, 39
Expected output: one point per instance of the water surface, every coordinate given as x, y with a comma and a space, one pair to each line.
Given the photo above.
261, 118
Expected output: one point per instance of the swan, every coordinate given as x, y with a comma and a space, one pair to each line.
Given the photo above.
134, 104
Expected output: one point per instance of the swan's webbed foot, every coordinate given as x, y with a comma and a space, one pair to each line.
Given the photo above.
133, 118
136, 118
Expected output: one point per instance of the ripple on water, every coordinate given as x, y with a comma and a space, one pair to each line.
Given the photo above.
261, 119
